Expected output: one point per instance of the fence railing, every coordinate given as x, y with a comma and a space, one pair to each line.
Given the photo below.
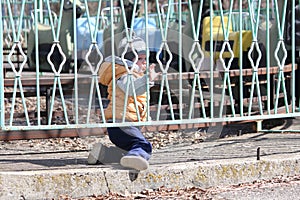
218, 62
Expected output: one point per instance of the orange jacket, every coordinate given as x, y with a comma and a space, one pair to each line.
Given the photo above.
105, 76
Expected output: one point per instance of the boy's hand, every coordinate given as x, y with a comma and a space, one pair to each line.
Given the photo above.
152, 73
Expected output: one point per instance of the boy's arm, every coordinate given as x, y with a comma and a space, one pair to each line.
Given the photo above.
140, 84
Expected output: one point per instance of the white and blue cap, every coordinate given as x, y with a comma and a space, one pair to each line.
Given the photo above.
138, 44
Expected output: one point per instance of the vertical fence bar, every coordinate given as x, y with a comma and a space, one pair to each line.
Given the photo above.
2, 108
37, 5
268, 58
293, 79
147, 57
75, 63
211, 87
180, 57
113, 60
241, 85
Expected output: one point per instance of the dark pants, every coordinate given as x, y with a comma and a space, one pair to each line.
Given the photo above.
130, 139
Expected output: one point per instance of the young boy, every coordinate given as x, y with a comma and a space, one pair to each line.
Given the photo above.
129, 139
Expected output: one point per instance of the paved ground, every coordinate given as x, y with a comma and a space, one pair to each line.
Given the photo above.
29, 174
243, 147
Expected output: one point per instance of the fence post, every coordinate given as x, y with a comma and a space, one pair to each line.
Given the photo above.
2, 111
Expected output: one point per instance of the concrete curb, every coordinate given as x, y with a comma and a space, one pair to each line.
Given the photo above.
76, 183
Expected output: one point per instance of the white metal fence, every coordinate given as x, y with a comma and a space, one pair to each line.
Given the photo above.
219, 61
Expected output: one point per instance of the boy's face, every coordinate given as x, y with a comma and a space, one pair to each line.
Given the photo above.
141, 62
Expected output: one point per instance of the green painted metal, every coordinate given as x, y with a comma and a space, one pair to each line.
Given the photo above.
2, 105
211, 95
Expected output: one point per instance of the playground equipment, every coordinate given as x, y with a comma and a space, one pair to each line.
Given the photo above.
47, 26
119, 27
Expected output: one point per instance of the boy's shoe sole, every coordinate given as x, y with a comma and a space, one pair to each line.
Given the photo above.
101, 154
95, 154
134, 162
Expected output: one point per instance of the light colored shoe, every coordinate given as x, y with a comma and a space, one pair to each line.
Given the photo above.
101, 154
134, 162
96, 153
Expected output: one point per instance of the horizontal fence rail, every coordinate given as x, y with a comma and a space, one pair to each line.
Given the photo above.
218, 62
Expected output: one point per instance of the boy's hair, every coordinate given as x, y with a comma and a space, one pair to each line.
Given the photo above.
138, 45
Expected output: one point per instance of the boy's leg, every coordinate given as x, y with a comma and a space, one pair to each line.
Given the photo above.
132, 140
105, 155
